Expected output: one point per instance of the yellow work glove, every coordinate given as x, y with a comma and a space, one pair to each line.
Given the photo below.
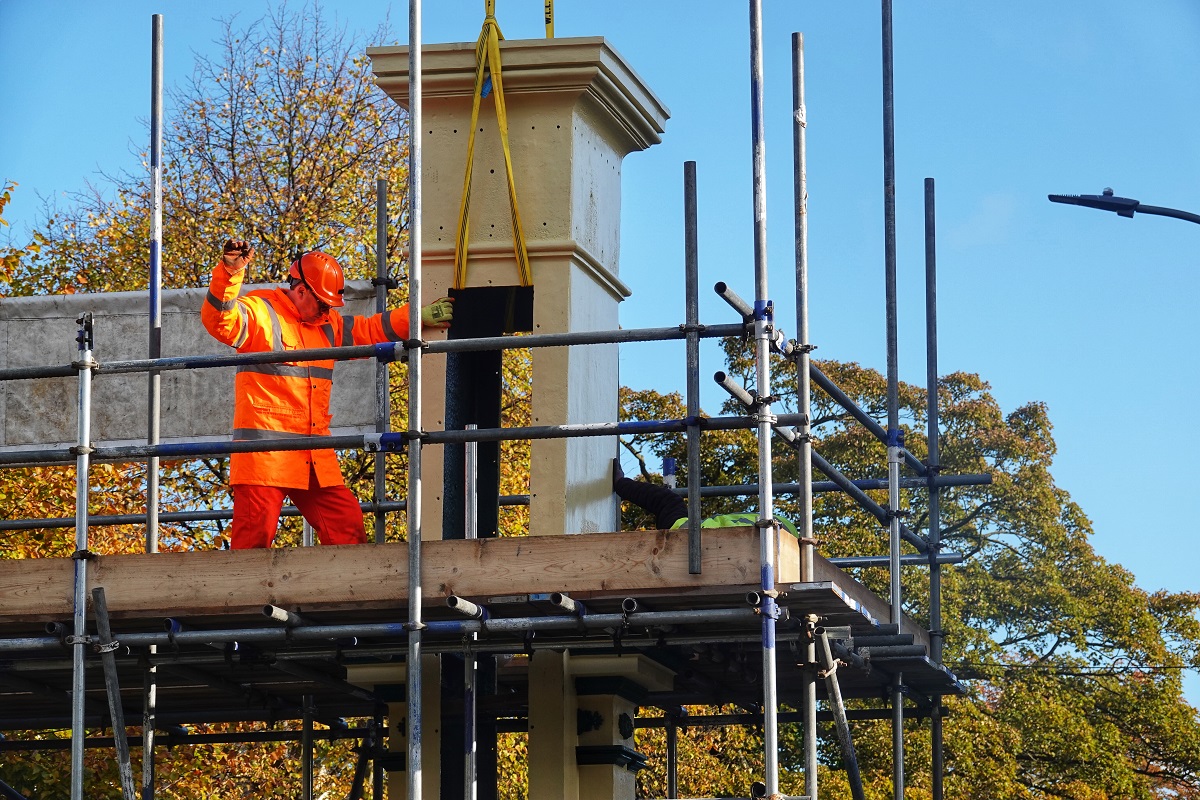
438, 314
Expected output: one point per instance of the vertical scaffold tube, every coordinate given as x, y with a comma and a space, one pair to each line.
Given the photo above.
762, 341
470, 662
155, 278
893, 384
804, 402
470, 746
84, 365
935, 522
672, 757
153, 411
379, 776
413, 682
692, 319
383, 406
306, 749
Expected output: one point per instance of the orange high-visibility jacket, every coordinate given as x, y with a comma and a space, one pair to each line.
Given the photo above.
279, 401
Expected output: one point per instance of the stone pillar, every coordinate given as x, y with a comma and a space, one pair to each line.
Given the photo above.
609, 690
388, 681
581, 713
552, 728
575, 110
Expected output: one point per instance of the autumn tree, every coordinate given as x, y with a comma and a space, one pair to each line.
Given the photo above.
279, 138
1074, 671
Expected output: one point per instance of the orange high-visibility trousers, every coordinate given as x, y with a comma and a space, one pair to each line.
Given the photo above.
333, 511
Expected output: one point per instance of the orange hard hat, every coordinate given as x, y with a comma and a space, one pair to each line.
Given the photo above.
322, 274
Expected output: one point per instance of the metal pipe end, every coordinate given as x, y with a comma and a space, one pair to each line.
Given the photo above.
289, 618
629, 605
466, 607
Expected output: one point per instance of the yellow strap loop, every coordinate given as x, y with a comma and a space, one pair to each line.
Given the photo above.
487, 58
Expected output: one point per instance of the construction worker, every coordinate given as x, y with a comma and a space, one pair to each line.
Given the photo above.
288, 400
669, 509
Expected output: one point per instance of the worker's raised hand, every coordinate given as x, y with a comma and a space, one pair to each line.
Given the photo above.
438, 314
237, 254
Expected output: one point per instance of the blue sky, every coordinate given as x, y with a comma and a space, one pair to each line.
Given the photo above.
1001, 103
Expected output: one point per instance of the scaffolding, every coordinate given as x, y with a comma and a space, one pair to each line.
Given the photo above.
796, 599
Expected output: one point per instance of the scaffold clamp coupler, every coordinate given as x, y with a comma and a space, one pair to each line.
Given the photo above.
693, 327
761, 400
415, 344
85, 363
413, 627
387, 352
74, 640
110, 647
82, 450
83, 555
372, 442
387, 281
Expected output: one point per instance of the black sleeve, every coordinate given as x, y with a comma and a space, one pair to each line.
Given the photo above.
666, 506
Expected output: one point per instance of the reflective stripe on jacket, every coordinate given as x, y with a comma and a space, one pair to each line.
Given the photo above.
281, 401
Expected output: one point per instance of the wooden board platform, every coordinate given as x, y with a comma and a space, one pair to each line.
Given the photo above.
361, 585
368, 576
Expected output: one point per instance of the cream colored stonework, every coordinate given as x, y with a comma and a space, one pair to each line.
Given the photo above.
575, 109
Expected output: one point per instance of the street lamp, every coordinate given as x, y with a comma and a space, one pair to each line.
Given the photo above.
1124, 206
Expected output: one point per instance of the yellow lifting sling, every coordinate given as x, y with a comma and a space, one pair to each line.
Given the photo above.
487, 59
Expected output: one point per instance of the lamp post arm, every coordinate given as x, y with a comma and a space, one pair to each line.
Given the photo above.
1168, 212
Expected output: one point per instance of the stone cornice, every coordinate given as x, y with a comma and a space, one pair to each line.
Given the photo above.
585, 67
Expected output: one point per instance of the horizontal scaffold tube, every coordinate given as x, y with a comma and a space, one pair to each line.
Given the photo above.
679, 332
387, 351
906, 560
746, 490
173, 739
389, 442
750, 489
644, 619
208, 515
395, 650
